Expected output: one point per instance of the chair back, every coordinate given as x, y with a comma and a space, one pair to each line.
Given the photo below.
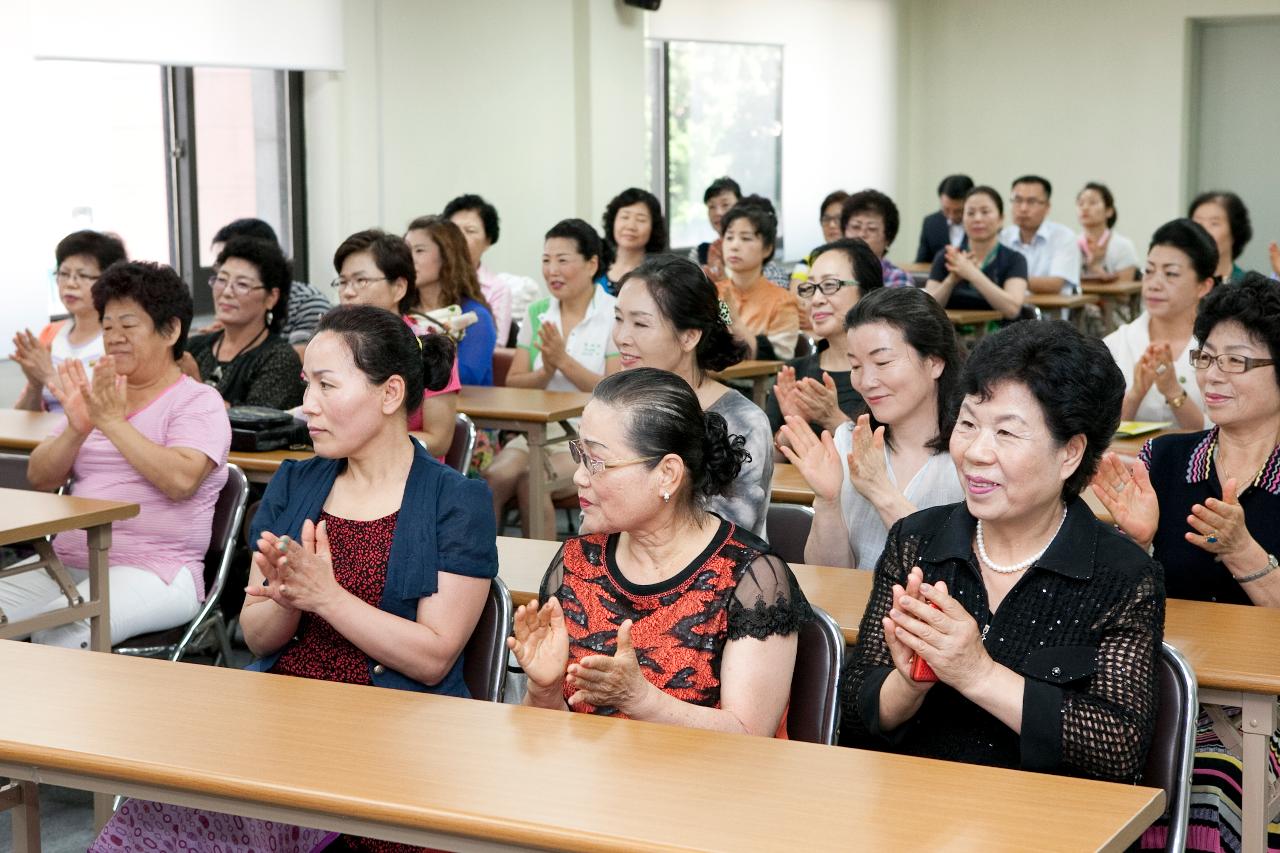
1174, 742
484, 661
502, 357
805, 345
813, 715
787, 529
13, 471
464, 443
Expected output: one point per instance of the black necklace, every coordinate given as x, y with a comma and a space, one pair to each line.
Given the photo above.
215, 378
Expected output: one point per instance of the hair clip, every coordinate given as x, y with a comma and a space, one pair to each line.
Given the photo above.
725, 316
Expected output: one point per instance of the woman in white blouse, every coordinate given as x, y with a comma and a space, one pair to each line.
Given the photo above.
1104, 254
893, 461
1153, 350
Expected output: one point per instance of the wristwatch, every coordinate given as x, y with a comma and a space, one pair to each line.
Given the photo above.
1176, 402
1272, 565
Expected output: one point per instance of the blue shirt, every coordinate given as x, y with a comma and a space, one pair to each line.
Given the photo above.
475, 350
445, 524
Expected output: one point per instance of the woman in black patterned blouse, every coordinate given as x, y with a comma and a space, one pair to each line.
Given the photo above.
1041, 625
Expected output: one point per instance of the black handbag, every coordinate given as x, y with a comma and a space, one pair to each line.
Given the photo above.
255, 429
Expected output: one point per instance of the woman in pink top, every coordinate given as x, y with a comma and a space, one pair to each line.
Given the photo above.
142, 432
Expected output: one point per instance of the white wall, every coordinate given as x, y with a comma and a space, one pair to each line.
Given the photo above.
839, 92
1078, 91
539, 107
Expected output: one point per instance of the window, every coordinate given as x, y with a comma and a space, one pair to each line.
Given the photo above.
714, 109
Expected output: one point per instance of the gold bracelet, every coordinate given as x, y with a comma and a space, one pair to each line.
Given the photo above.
1176, 402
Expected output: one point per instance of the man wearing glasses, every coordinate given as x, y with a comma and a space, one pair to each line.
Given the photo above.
1053, 258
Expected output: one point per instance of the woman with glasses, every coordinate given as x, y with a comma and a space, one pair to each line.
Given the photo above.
676, 615
905, 364
1154, 350
668, 317
816, 387
248, 360
986, 275
81, 258
376, 268
1206, 505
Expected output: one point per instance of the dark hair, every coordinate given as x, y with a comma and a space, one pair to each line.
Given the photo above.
390, 255
255, 228
584, 236
757, 210
488, 213
382, 345
955, 186
866, 266
688, 300
1108, 200
836, 197
1073, 377
156, 288
927, 330
657, 224
106, 249
1193, 240
1253, 302
1035, 179
720, 186
276, 272
990, 192
872, 201
663, 417
458, 280
1237, 217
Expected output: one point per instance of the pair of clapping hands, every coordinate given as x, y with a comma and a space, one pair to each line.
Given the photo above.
1155, 367
1217, 526
819, 462
90, 402
926, 620
807, 398
541, 646
961, 264
295, 575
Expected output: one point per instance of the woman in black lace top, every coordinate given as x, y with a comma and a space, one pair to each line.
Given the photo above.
1042, 624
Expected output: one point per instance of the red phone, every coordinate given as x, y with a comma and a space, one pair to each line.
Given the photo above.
920, 669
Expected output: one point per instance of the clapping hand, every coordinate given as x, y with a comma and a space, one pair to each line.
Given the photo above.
898, 650
1157, 366
867, 469
552, 345
35, 361
610, 681
1224, 521
541, 643
90, 403
1128, 495
961, 263
944, 635
297, 576
815, 458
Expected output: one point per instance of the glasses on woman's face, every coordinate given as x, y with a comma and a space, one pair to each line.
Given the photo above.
828, 286
578, 453
1227, 362
75, 277
239, 286
358, 283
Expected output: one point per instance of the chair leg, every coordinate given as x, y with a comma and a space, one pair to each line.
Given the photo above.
24, 799
224, 642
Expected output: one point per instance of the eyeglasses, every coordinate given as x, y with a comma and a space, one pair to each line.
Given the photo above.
1018, 200
358, 283
76, 277
1227, 362
828, 286
239, 286
578, 452
830, 220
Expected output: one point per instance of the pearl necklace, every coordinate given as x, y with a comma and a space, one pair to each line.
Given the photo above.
1016, 567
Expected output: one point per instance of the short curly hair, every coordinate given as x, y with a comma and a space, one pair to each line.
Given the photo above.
156, 288
1237, 217
106, 249
1073, 377
1254, 303
658, 223
487, 212
872, 201
273, 268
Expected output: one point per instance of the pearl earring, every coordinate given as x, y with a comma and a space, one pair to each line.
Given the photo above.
270, 316
666, 497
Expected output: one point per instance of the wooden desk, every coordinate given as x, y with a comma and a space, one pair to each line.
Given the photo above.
788, 487
758, 371
530, 411
1117, 297
22, 431
1073, 303
260, 467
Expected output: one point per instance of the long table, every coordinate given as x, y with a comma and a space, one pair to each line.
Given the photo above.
1234, 665
758, 371
467, 775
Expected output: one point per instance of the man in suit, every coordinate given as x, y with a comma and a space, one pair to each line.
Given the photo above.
943, 227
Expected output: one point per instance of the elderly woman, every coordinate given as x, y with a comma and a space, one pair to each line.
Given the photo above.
81, 258
1225, 217
445, 277
141, 431
376, 268
986, 275
817, 387
648, 459
248, 361
1154, 350
906, 365
634, 227
373, 562
872, 216
1015, 629
566, 347
769, 315
1206, 504
668, 317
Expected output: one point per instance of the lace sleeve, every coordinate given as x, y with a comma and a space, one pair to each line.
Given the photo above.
869, 661
767, 601
553, 580
1106, 728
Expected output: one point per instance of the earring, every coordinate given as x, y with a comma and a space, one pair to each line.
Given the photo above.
666, 497
270, 316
